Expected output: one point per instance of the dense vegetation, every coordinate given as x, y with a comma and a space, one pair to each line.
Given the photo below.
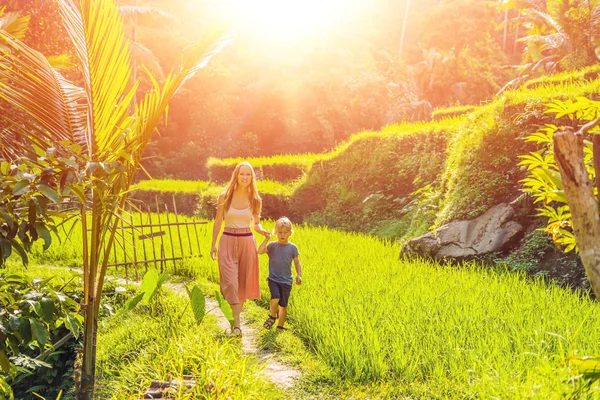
435, 146
445, 166
458, 332
261, 99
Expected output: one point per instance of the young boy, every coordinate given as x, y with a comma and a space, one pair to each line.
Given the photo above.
281, 254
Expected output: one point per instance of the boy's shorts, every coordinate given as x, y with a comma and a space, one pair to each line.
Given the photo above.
280, 291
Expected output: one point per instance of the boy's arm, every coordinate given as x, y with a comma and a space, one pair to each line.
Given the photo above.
262, 249
298, 270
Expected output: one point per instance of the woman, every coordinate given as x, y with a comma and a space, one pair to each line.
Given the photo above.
238, 207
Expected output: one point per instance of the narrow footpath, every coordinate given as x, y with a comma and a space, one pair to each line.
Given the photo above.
280, 374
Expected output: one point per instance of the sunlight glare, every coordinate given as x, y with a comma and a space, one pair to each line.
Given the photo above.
285, 20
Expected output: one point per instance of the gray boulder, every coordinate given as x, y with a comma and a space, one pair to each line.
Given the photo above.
488, 233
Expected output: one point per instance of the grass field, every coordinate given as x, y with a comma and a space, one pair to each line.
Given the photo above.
419, 329
207, 188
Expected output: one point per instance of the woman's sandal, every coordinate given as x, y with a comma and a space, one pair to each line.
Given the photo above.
269, 322
236, 331
281, 329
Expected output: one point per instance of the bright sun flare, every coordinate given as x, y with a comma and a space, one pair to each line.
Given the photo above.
286, 20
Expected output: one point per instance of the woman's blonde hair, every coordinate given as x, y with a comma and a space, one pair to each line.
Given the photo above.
283, 222
254, 197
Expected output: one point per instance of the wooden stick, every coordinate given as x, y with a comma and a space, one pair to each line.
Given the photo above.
171, 239
178, 230
197, 240
135, 265
121, 222
162, 238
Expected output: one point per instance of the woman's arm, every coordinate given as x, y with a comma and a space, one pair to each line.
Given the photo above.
217, 226
257, 226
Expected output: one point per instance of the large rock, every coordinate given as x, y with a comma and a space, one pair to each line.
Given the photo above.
488, 233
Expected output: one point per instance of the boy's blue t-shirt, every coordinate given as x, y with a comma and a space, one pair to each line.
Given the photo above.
280, 262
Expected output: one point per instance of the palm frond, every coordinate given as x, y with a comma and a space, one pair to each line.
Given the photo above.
139, 51
62, 62
146, 15
150, 110
39, 103
547, 19
14, 24
97, 34
551, 42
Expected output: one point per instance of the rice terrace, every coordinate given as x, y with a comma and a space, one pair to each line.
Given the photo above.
338, 199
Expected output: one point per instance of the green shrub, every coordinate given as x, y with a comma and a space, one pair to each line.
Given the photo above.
199, 197
448, 112
282, 168
372, 179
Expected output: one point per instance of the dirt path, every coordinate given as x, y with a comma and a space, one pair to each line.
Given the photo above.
280, 374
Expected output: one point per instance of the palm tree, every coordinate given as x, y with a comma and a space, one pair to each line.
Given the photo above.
560, 33
406, 10
93, 126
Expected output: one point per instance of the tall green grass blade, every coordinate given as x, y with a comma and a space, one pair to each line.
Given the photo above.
225, 307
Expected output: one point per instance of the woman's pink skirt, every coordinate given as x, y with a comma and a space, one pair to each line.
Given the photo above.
238, 266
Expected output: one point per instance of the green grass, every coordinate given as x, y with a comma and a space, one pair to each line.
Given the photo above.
305, 159
206, 188
308, 159
152, 343
173, 185
561, 77
418, 329
548, 91
451, 111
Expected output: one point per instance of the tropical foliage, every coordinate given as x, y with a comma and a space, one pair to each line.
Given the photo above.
544, 181
36, 319
92, 124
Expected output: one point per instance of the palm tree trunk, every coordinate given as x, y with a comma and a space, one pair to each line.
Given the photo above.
404, 26
505, 29
90, 323
515, 44
88, 372
579, 191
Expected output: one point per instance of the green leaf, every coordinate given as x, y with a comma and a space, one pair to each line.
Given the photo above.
44, 233
47, 309
5, 388
4, 362
225, 307
4, 168
79, 192
49, 193
198, 304
130, 305
19, 250
7, 218
151, 284
14, 322
21, 187
38, 331
73, 325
